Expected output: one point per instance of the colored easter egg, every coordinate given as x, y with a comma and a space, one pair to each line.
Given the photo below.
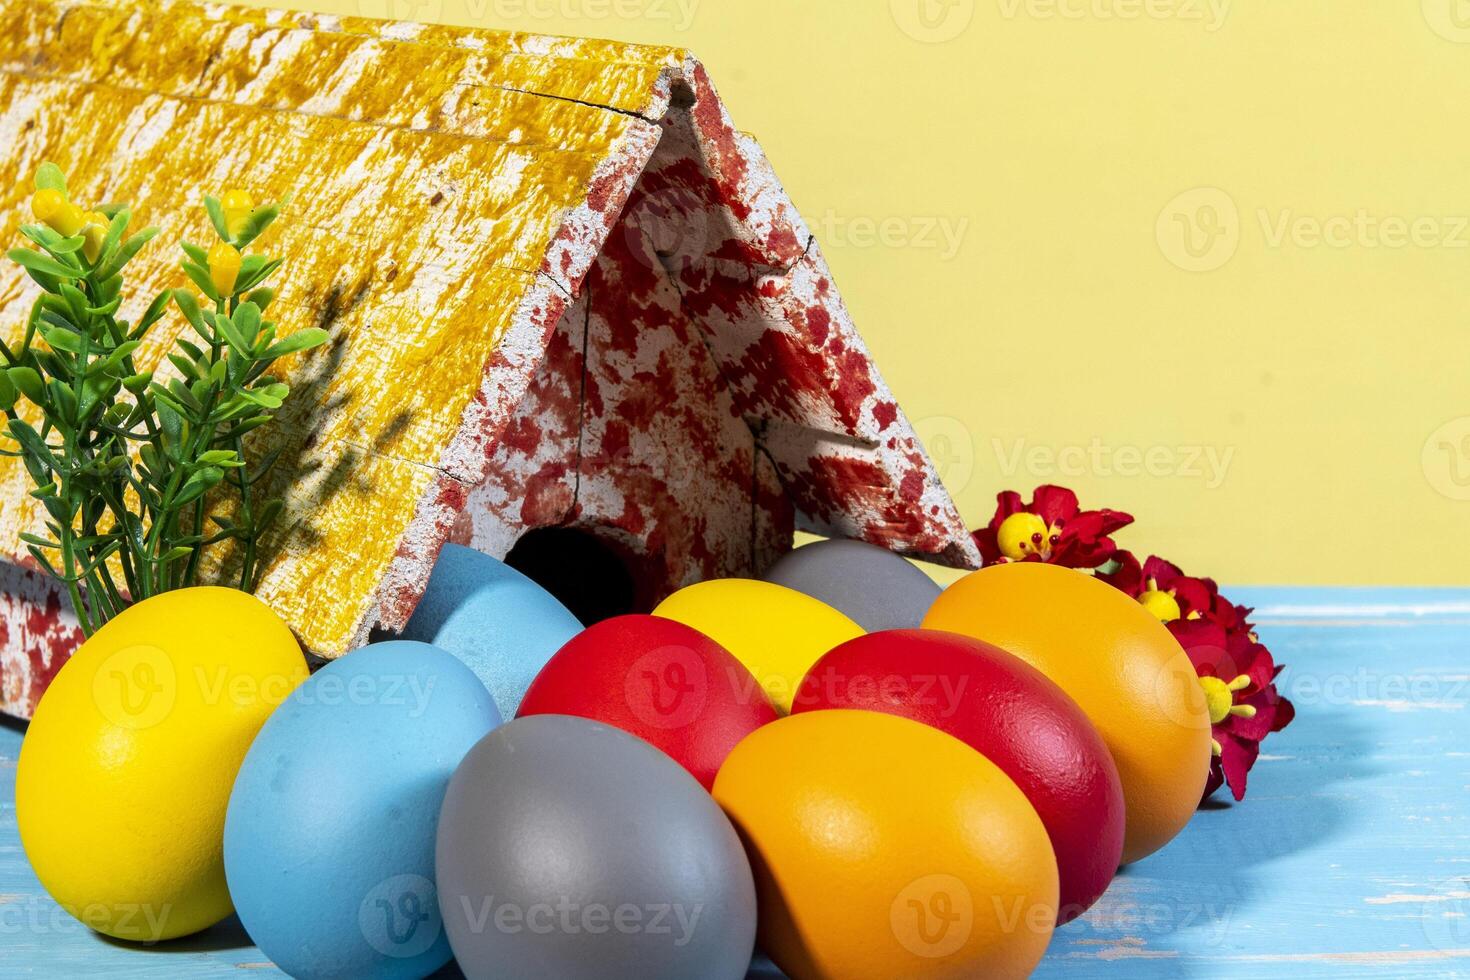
498, 621
126, 769
571, 849
872, 586
885, 848
1118, 662
665, 682
329, 841
1012, 714
776, 632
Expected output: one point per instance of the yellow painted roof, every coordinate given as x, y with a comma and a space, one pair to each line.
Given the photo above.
429, 171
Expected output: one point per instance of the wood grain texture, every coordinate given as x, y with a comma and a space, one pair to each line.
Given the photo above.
1350, 856
453, 191
417, 247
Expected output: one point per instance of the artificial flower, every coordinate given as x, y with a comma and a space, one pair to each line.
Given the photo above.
224, 267
1161, 587
52, 209
1237, 674
1052, 528
95, 233
1238, 677
237, 206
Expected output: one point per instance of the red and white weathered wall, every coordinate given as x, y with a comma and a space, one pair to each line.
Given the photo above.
679, 375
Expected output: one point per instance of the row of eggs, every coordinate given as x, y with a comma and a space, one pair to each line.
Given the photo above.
383, 814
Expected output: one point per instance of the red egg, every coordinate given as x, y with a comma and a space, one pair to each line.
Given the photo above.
1013, 715
665, 682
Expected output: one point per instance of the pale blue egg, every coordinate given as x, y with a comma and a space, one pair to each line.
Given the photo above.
499, 622
329, 835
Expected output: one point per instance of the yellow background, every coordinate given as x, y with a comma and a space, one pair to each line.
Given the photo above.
1002, 188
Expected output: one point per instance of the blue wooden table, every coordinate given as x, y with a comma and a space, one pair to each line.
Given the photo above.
1350, 857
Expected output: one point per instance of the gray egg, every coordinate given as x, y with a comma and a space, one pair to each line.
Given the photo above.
570, 849
872, 586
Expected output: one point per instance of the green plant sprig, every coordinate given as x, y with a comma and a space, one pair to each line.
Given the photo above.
130, 468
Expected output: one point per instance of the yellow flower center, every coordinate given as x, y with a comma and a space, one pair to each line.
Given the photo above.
1162, 604
237, 205
224, 267
1220, 698
1024, 534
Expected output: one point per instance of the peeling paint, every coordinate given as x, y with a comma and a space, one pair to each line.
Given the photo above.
563, 289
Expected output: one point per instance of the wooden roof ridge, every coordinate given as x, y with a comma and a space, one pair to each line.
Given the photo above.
577, 122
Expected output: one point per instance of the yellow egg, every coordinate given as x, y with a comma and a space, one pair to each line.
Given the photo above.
778, 633
127, 766
1118, 662
885, 848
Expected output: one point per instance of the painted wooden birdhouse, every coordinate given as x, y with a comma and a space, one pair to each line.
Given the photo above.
575, 319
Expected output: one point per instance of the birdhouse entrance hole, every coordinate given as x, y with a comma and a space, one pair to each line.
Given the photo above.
587, 574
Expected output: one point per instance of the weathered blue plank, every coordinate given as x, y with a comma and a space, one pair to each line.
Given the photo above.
1350, 856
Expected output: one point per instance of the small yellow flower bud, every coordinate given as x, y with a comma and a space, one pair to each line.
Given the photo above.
51, 207
70, 221
95, 231
237, 206
46, 203
224, 267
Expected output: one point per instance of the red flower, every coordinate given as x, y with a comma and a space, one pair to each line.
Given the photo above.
1236, 673
1238, 677
1162, 588
1222, 610
1052, 528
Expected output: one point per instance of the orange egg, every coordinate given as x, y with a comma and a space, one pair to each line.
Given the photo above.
1118, 662
885, 848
